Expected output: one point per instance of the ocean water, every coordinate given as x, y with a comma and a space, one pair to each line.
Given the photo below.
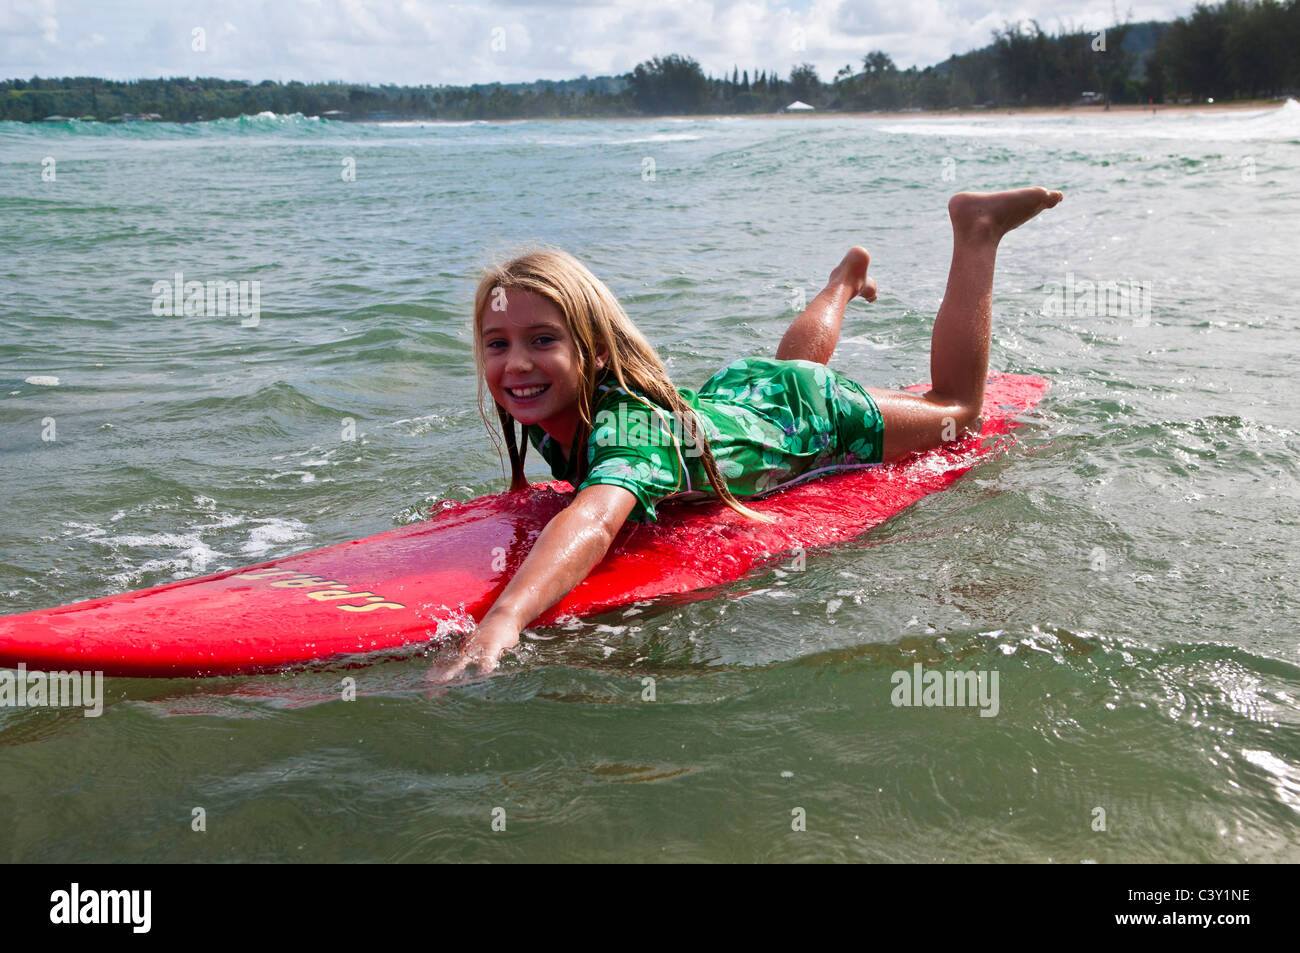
1128, 568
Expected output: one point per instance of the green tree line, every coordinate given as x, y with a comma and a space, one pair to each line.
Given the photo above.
1231, 50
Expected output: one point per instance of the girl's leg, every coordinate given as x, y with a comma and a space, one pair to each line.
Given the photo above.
814, 334
959, 344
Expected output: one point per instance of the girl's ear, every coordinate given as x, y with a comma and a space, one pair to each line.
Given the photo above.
602, 357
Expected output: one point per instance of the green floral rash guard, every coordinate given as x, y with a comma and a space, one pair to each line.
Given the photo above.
769, 424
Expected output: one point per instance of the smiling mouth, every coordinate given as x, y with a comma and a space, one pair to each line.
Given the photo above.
527, 393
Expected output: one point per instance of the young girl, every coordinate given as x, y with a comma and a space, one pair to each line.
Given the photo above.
561, 357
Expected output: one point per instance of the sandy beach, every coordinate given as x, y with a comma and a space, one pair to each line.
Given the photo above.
897, 115
1031, 111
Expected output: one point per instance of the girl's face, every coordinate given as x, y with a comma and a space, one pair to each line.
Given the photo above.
527, 346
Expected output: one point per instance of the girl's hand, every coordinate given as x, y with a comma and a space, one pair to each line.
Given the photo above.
574, 541
484, 648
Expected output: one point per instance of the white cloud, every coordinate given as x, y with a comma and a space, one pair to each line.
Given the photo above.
28, 20
420, 41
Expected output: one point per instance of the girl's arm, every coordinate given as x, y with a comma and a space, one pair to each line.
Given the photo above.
574, 541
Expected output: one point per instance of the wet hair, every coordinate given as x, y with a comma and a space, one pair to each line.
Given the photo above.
597, 323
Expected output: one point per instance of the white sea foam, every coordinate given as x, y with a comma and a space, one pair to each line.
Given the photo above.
221, 521
663, 137
1275, 123
868, 342
271, 533
304, 476
190, 554
420, 425
583, 142
43, 380
441, 123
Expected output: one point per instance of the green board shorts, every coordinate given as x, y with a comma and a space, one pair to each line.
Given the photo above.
782, 390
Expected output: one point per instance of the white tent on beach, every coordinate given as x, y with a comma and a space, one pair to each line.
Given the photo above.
798, 107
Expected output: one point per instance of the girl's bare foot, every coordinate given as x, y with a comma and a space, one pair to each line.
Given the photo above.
990, 215
852, 273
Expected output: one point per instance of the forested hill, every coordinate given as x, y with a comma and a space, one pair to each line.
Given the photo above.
1232, 50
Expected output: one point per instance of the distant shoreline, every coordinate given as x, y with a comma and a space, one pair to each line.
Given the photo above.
1053, 112
1090, 110
1047, 112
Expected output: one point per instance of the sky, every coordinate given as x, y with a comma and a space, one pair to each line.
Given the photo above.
417, 42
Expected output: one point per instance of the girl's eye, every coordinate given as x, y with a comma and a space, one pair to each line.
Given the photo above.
541, 338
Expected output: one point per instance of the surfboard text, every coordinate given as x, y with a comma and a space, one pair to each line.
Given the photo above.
322, 590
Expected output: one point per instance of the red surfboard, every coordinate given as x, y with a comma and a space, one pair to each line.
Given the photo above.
412, 585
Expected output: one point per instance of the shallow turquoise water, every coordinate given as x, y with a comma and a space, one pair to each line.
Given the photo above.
1158, 683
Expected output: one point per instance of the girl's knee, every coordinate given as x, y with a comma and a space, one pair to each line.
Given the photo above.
915, 423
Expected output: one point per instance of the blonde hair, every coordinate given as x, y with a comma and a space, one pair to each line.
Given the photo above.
596, 322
